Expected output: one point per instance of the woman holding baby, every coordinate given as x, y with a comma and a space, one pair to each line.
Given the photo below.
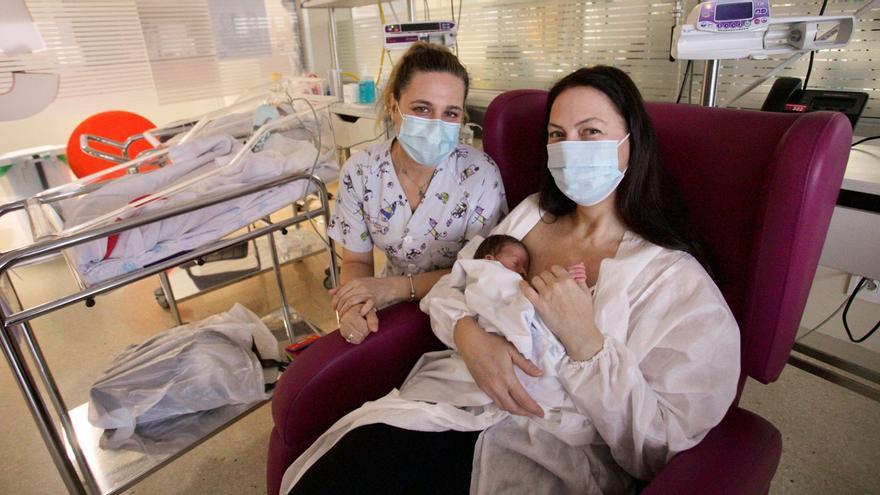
651, 350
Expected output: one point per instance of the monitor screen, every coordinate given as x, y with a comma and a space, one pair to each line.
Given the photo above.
421, 26
733, 11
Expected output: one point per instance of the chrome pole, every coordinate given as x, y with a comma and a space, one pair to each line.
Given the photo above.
335, 70
710, 83
39, 411
60, 407
169, 296
279, 281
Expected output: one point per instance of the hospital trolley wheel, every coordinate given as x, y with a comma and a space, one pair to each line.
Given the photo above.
159, 294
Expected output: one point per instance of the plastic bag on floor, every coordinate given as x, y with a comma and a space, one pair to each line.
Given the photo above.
190, 368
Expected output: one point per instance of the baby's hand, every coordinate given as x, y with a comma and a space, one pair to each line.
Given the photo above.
578, 272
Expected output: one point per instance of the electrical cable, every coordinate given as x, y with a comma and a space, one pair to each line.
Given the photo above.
813, 53
826, 320
849, 301
863, 140
382, 56
317, 134
427, 10
452, 8
684, 81
371, 139
394, 12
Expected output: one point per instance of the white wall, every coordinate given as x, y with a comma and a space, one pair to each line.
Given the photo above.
54, 125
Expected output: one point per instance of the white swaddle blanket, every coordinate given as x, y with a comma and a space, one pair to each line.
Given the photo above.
142, 246
492, 294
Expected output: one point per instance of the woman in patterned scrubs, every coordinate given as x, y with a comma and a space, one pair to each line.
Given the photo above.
419, 197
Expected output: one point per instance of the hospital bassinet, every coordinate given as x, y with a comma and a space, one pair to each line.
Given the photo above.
59, 226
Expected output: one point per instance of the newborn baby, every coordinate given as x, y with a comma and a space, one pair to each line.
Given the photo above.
491, 286
512, 254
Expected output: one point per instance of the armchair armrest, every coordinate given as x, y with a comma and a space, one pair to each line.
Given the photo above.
739, 456
332, 378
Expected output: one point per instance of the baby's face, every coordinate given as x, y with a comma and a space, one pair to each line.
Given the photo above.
513, 257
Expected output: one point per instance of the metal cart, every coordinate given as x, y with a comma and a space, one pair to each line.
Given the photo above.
72, 442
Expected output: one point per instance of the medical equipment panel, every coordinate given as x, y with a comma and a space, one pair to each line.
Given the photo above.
401, 36
733, 15
733, 29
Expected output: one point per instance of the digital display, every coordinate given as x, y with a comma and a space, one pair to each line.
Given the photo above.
422, 26
733, 11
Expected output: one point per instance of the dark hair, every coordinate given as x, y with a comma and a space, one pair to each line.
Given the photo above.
494, 244
646, 198
422, 57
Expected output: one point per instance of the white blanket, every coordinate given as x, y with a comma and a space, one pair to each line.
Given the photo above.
142, 246
492, 294
665, 376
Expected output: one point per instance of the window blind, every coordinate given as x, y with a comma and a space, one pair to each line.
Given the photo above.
509, 44
175, 50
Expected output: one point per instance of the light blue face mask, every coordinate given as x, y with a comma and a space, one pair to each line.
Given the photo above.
427, 141
585, 171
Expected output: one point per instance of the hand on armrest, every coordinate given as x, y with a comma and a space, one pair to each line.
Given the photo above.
333, 377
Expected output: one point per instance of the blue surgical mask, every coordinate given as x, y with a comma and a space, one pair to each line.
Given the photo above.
585, 171
427, 141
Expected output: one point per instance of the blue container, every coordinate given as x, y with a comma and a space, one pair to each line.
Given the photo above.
366, 91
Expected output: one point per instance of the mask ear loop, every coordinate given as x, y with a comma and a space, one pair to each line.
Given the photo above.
623, 172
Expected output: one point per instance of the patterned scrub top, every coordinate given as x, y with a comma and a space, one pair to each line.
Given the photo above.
465, 198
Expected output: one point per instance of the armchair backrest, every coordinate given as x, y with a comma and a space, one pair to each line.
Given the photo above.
760, 188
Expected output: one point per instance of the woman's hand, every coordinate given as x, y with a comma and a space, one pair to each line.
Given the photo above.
566, 307
371, 292
354, 326
490, 359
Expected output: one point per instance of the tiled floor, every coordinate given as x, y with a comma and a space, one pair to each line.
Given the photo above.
831, 436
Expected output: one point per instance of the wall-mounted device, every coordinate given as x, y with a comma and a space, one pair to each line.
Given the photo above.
731, 29
402, 35
786, 95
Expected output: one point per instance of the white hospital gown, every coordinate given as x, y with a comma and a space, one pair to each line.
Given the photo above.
666, 374
465, 198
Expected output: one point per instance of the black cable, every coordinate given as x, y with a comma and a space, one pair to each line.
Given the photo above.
683, 81
813, 53
809, 70
826, 320
846, 310
860, 141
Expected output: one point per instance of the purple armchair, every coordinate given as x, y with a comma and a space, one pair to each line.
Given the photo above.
760, 189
